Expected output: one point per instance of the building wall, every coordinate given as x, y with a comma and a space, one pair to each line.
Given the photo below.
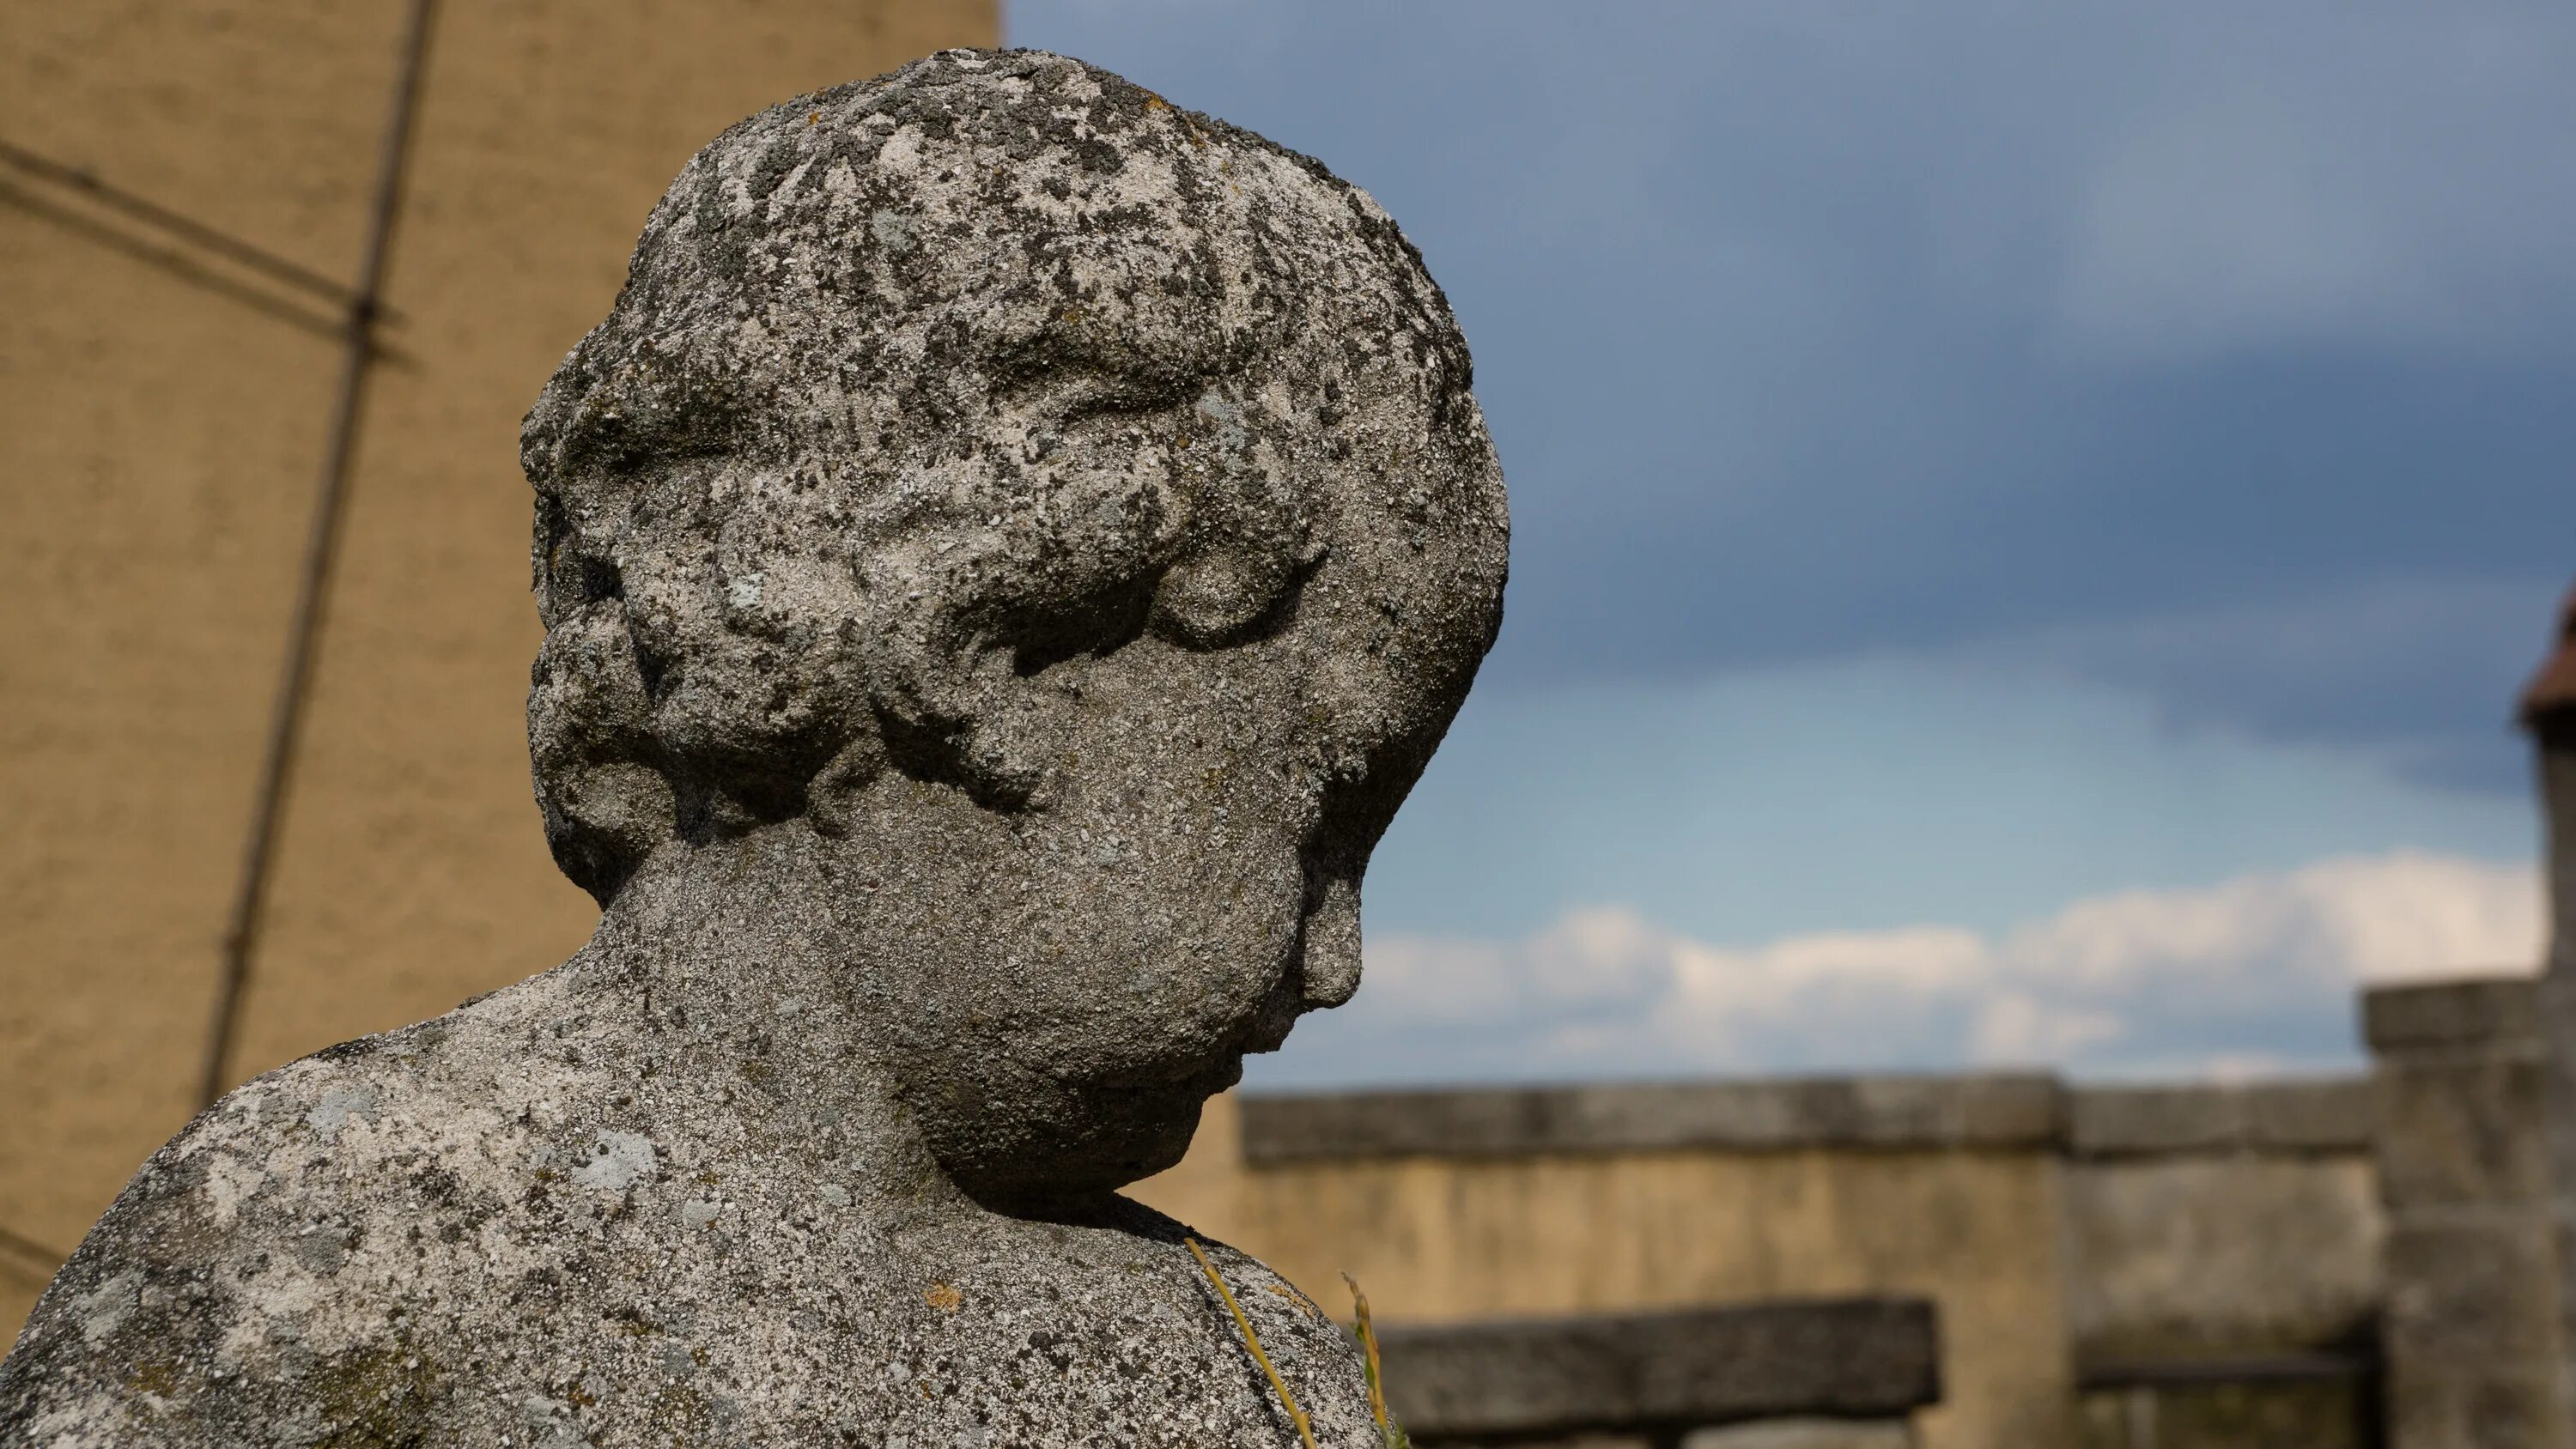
2207, 1222
166, 411
2184, 1257
2059, 1232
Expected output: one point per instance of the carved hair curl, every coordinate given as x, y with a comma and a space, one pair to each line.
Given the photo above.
921, 387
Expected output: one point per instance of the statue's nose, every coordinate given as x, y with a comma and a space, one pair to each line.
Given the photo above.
1330, 964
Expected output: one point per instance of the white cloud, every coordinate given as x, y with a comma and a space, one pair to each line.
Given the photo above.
2254, 974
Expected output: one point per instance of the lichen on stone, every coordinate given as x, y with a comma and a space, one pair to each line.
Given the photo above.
1005, 557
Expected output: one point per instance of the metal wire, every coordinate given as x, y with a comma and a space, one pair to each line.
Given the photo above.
186, 228
321, 545
31, 1250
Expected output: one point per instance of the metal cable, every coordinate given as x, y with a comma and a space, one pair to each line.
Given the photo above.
303, 632
31, 1250
186, 228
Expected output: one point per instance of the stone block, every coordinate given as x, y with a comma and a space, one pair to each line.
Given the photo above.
1854, 1358
2125, 1121
2443, 1014
2326, 1116
1996, 1112
2524, 1410
1806, 1434
2330, 1115
2476, 1294
2461, 1129
2473, 1410
2232, 1413
2185, 1256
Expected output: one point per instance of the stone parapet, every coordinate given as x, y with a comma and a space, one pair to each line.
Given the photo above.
2324, 1116
1976, 1112
2001, 1112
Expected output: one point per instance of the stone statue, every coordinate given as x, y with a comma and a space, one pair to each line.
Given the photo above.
1004, 559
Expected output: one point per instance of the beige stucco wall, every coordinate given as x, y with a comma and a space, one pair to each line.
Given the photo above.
1442, 1238
163, 427
162, 418
413, 871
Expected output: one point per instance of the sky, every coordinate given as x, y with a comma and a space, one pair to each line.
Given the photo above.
2027, 519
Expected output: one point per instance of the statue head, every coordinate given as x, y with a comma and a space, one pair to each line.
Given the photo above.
1061, 515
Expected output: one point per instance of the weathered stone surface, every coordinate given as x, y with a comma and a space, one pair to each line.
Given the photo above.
2182, 1258
1852, 1358
2471, 1322
1980, 1112
2549, 711
2471, 1295
1972, 1112
1806, 1434
1004, 559
2474, 1013
2219, 1412
2463, 1130
2328, 1115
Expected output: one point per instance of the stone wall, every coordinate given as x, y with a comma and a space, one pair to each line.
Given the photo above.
2224, 1264
2471, 1321
2549, 712
2181, 1201
2082, 1246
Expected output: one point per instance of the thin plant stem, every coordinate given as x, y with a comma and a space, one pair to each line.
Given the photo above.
1388, 1433
1296, 1416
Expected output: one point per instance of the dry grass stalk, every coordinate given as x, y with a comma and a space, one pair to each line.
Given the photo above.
1389, 1433
1297, 1416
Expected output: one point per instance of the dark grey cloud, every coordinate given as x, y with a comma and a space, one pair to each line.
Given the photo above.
2160, 345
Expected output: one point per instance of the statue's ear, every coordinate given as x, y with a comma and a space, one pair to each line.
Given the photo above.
1230, 593
951, 707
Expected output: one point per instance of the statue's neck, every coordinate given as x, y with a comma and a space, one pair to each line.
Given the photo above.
748, 932
730, 965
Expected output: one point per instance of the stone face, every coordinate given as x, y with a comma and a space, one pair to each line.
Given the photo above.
1004, 559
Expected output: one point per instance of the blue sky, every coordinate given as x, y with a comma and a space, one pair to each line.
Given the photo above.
2046, 475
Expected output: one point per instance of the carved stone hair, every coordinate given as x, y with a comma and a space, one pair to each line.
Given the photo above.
923, 387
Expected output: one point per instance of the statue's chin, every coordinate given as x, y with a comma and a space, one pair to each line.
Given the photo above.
1096, 1141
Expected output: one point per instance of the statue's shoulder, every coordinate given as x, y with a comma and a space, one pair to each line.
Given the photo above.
265, 1244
